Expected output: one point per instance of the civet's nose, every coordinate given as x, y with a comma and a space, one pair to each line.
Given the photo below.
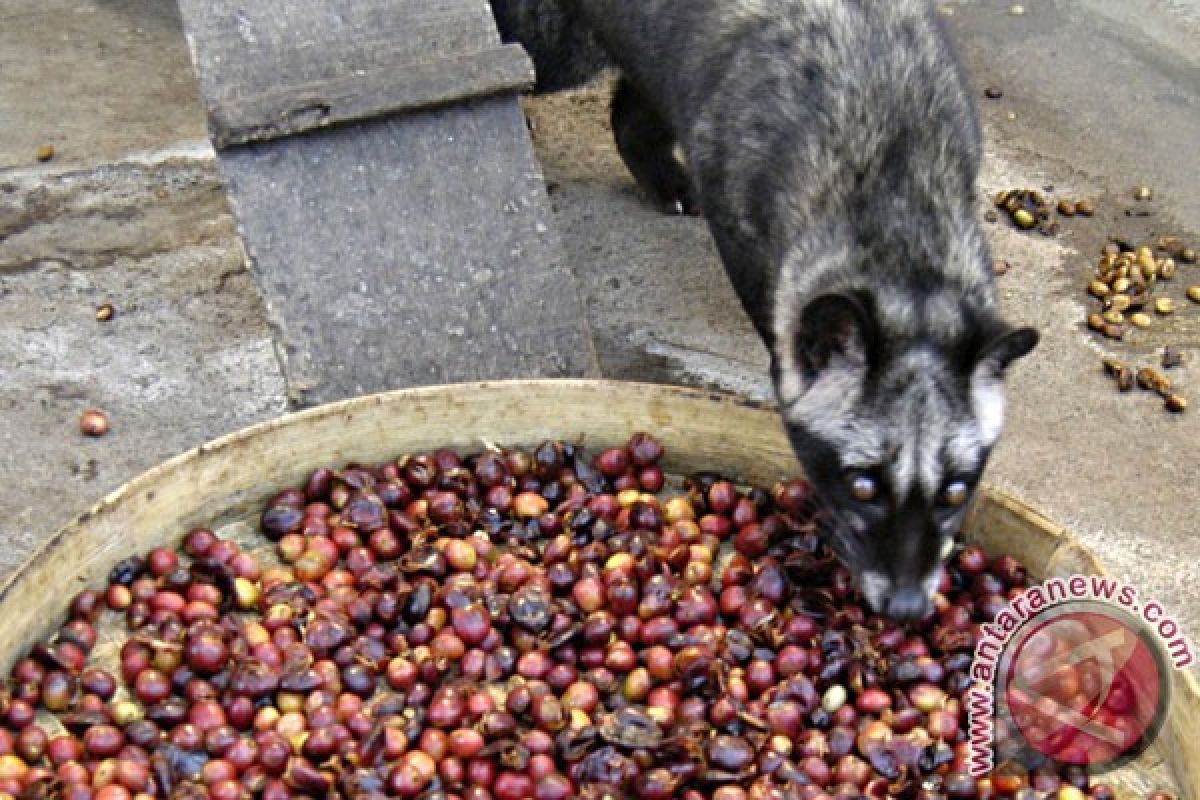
908, 604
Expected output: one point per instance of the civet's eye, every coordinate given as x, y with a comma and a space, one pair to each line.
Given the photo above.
955, 494
864, 487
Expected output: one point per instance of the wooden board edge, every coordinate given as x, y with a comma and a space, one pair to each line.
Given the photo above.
381, 92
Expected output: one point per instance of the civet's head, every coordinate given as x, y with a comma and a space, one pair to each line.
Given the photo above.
894, 424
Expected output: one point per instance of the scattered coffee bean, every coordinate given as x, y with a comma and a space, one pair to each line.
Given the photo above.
1172, 245
1085, 208
1152, 380
45, 152
1143, 193
1164, 306
1027, 208
1193, 294
93, 422
1175, 403
1139, 320
1000, 267
1099, 289
1120, 372
1172, 357
105, 312
1145, 259
1067, 208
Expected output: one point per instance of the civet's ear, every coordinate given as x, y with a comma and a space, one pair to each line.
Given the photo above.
1004, 349
834, 330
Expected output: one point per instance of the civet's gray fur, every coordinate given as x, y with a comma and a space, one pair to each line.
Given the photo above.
833, 148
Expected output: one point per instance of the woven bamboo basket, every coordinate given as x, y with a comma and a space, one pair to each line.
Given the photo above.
225, 482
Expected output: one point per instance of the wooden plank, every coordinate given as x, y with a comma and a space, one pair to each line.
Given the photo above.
300, 107
243, 49
408, 251
272, 69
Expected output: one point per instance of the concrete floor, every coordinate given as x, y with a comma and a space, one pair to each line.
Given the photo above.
1099, 96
